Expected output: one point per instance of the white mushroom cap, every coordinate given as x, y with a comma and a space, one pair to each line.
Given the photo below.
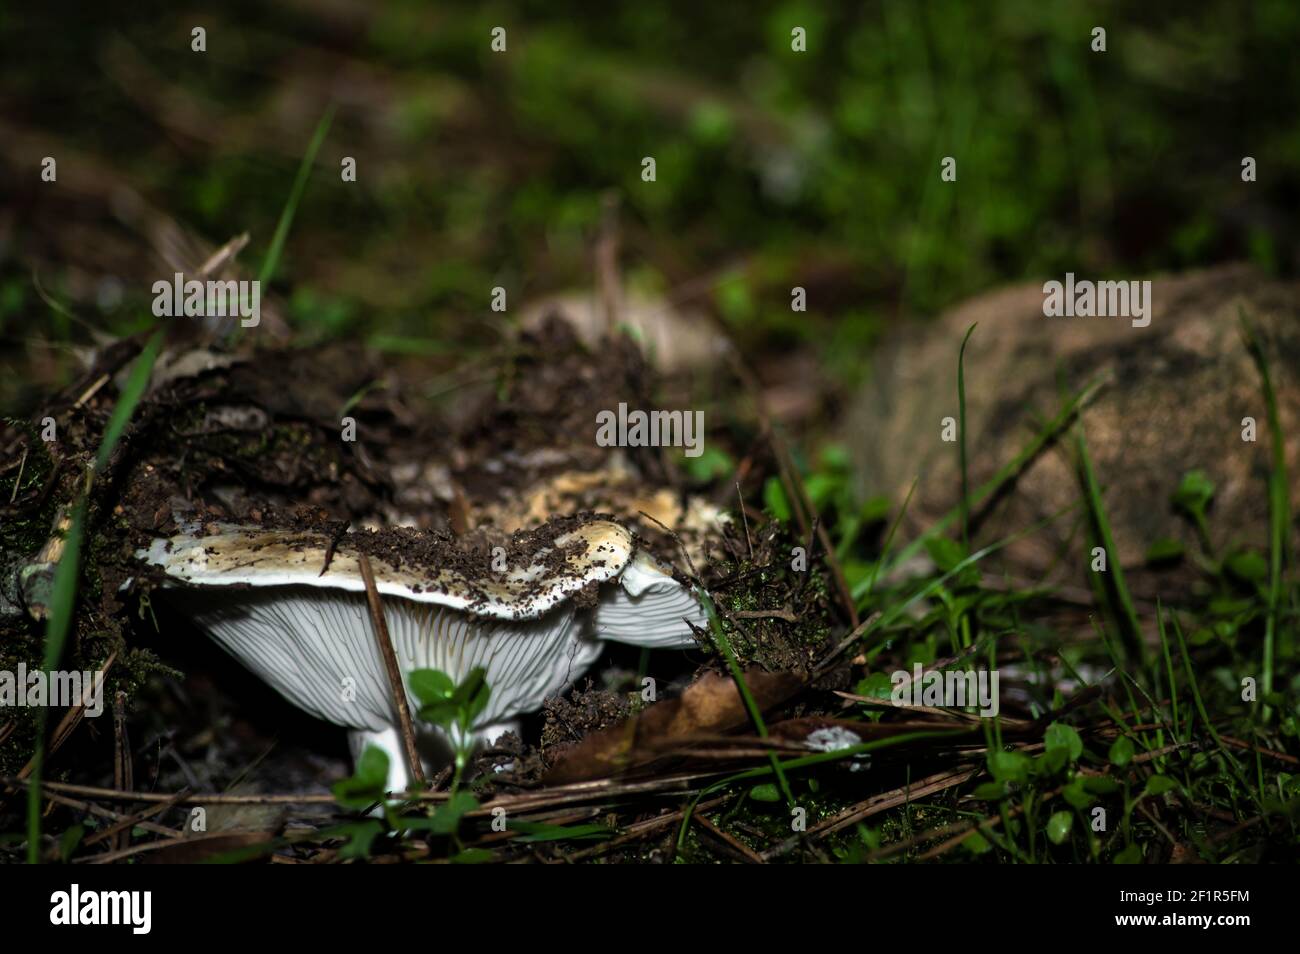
595, 551
262, 595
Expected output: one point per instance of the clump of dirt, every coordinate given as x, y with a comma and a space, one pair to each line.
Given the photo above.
774, 600
585, 710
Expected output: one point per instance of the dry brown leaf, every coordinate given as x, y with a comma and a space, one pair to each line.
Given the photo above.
709, 706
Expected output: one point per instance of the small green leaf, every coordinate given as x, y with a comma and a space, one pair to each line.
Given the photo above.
1194, 493
1131, 855
360, 836
1058, 827
431, 686
69, 842
1063, 737
440, 713
1009, 766
444, 820
765, 793
1051, 762
1100, 784
991, 791
870, 837
1247, 566
537, 832
710, 465
876, 685
946, 553
1165, 550
976, 843
774, 499
1076, 794
366, 785
1121, 751
478, 697
1159, 785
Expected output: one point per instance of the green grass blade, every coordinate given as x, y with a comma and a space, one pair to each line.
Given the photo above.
272, 259
132, 391
888, 545
961, 434
751, 705
899, 609
1279, 508
1126, 613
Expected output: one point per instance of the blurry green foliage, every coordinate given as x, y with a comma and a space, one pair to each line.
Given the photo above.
774, 167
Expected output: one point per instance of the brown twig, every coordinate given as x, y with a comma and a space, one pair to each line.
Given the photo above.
740, 498
100, 810
22, 464
874, 805
70, 720
1270, 753
128, 822
123, 770
394, 673
731, 842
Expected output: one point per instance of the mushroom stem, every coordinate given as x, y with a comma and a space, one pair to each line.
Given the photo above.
394, 672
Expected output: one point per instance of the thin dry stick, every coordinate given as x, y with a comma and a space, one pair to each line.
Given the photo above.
394, 674
70, 720
19, 479
92, 791
730, 841
597, 790
103, 812
92, 390
1250, 747
741, 499
123, 770
877, 803
129, 852
638, 830
130, 821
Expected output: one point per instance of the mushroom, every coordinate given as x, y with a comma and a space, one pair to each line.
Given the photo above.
291, 606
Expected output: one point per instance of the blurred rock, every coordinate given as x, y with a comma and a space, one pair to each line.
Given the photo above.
1173, 399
